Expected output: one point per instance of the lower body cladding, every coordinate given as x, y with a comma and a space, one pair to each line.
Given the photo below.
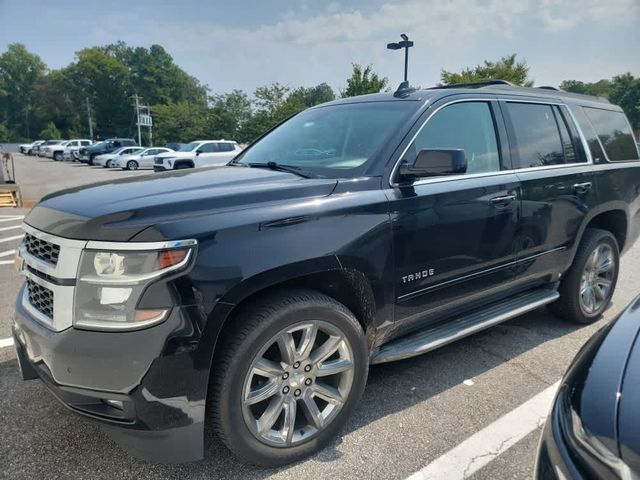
147, 388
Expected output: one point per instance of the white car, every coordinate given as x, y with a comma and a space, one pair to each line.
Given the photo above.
57, 150
200, 153
46, 149
27, 148
141, 159
71, 149
106, 159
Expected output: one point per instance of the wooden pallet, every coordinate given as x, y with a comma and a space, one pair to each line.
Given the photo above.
10, 196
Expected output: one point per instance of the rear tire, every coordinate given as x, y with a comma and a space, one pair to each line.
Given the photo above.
589, 284
294, 380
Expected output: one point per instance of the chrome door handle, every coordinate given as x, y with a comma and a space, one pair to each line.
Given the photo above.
582, 187
502, 200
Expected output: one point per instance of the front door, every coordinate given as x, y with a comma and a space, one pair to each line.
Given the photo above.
453, 237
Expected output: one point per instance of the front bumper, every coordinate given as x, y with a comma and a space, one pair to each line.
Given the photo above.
160, 168
147, 388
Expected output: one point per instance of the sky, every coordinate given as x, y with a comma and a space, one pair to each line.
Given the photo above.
245, 44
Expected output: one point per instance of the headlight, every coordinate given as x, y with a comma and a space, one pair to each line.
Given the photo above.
110, 284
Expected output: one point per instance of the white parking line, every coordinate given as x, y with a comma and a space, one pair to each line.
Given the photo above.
7, 253
6, 342
8, 239
485, 445
13, 227
6, 262
13, 218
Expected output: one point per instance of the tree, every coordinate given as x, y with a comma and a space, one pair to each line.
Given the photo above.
102, 79
601, 88
179, 122
363, 81
4, 133
229, 113
311, 96
507, 68
19, 72
50, 132
625, 91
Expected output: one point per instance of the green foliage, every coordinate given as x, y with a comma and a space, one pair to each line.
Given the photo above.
179, 122
363, 81
4, 133
599, 89
20, 70
50, 132
507, 68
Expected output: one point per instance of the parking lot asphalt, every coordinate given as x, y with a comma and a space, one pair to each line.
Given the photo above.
413, 412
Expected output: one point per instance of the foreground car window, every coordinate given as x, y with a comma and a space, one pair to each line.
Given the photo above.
331, 139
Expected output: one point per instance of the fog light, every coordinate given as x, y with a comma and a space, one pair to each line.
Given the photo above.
118, 404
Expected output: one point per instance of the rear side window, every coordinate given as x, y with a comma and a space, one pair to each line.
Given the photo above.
225, 147
614, 133
208, 148
537, 136
467, 125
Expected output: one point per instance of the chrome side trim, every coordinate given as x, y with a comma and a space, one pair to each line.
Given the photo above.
62, 303
139, 246
470, 276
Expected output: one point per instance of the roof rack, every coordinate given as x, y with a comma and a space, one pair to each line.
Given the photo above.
549, 87
483, 83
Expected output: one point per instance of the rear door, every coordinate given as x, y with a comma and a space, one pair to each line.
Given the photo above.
557, 186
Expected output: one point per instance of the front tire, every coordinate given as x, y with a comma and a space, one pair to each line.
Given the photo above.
132, 165
290, 374
57, 156
589, 284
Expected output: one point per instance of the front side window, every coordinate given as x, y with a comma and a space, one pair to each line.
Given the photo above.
537, 136
335, 140
614, 133
468, 126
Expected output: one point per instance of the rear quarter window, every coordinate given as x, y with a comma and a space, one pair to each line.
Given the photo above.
614, 133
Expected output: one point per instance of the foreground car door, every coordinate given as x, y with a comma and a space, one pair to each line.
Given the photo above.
454, 236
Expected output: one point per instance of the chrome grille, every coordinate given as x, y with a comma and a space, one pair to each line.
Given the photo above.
41, 298
42, 249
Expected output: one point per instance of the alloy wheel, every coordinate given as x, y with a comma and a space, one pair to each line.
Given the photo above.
597, 279
297, 383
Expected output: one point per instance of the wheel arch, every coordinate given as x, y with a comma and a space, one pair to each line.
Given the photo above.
613, 218
348, 286
187, 162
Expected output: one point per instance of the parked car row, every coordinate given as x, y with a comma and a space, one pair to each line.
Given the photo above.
124, 153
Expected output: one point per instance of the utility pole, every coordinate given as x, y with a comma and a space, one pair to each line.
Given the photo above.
89, 119
138, 119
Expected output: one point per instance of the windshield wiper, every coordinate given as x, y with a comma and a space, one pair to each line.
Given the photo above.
281, 167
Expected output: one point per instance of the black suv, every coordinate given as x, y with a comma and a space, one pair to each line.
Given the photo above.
253, 297
106, 146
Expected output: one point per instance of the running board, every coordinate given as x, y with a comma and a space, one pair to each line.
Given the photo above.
449, 331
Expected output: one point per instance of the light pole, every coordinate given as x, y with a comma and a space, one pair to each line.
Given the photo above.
406, 44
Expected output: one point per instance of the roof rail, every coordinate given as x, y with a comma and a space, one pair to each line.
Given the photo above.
549, 87
483, 83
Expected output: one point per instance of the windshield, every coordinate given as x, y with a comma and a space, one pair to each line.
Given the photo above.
189, 147
331, 140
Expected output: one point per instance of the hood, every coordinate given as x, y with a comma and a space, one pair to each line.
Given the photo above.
118, 210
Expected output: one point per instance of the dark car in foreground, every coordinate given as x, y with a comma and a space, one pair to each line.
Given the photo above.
593, 430
253, 297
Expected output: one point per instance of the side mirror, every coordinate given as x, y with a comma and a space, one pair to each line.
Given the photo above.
198, 151
434, 162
